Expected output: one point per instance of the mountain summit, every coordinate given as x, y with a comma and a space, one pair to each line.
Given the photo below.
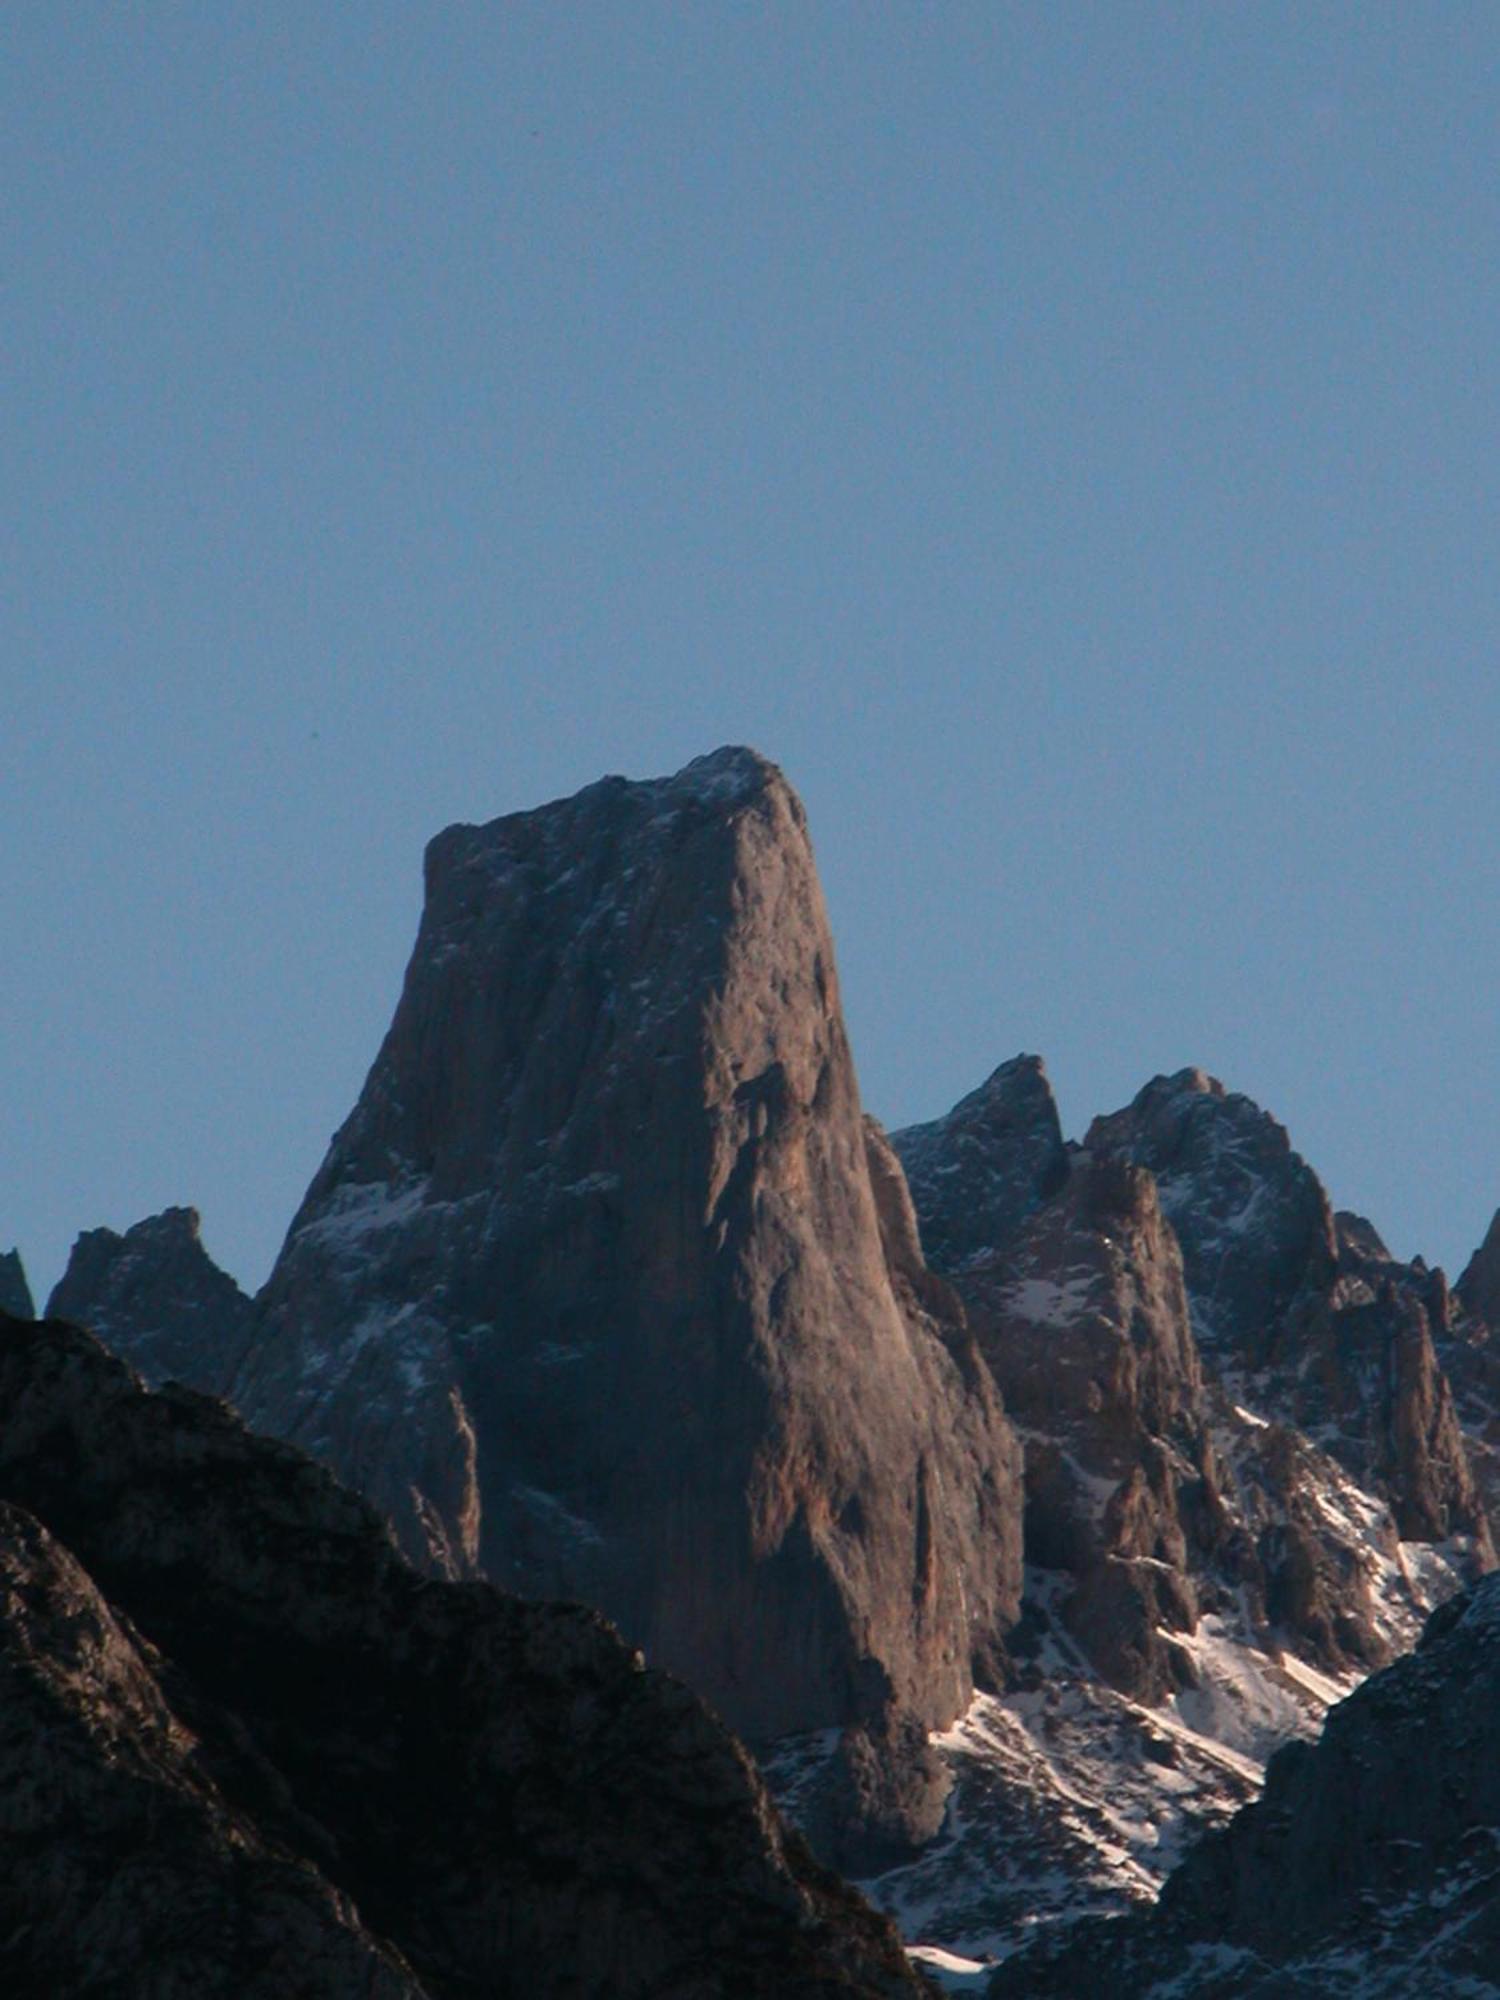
607, 1289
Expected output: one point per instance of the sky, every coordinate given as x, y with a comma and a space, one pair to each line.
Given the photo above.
1063, 437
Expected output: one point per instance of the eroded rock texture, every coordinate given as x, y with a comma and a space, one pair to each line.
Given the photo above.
246, 1750
1316, 1327
156, 1297
1368, 1865
606, 1290
1178, 1405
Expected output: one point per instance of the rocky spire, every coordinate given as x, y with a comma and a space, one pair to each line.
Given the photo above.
605, 1290
15, 1293
158, 1299
1311, 1321
1253, 1220
977, 1173
1479, 1287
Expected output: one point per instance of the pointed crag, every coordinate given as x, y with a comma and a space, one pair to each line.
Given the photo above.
1310, 1320
606, 1290
1479, 1287
158, 1299
15, 1293
976, 1174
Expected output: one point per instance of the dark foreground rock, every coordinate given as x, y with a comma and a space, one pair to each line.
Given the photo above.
1369, 1867
245, 1750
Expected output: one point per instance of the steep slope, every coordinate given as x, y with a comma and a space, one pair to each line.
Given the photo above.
1479, 1287
1368, 1868
605, 1288
976, 1174
1322, 1332
1202, 1579
246, 1750
15, 1293
1468, 1346
156, 1298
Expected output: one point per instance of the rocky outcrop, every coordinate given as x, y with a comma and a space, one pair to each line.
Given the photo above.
246, 1750
1150, 1495
156, 1297
606, 1290
15, 1293
1468, 1344
1254, 1223
978, 1173
1084, 1322
1309, 1321
1372, 1853
1479, 1287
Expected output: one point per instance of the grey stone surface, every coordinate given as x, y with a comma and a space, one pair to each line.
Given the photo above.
1311, 1322
606, 1290
156, 1297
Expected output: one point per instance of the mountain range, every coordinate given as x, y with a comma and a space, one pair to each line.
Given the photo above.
1015, 1500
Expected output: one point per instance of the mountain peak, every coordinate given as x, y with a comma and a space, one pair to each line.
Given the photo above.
592, 1290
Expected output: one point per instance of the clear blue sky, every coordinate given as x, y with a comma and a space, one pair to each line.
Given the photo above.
1063, 437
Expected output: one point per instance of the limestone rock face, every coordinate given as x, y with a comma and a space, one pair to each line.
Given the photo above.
1153, 1495
1479, 1287
605, 1290
245, 1750
1311, 1322
1468, 1346
1253, 1220
1083, 1320
156, 1297
1371, 1853
15, 1293
976, 1174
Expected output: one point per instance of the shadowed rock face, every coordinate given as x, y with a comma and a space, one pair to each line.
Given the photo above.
246, 1751
605, 1290
15, 1293
1373, 1850
1468, 1343
976, 1174
156, 1297
1254, 1223
1313, 1323
1147, 1487
1479, 1287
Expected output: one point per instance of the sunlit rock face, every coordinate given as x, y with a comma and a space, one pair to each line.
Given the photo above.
606, 1288
1468, 1344
1248, 1427
156, 1297
1309, 1320
247, 1751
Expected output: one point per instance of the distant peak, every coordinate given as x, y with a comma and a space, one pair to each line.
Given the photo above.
15, 1293
1479, 1287
1188, 1082
1019, 1069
